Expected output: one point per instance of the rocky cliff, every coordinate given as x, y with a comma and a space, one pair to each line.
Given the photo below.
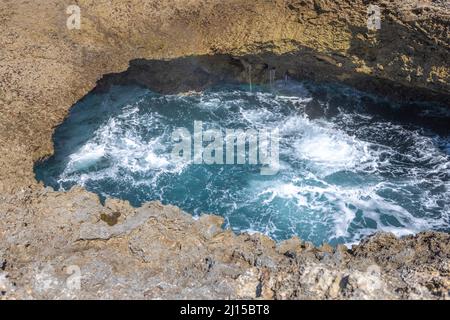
48, 237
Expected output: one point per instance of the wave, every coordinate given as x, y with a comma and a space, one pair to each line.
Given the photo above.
344, 175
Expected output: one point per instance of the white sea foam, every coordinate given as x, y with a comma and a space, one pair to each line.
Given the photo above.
87, 156
332, 152
119, 141
335, 183
339, 205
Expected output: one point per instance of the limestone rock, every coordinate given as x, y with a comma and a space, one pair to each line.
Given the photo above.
68, 245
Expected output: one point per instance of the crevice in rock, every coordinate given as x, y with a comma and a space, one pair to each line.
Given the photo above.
196, 73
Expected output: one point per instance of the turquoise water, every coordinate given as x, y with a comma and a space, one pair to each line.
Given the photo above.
350, 164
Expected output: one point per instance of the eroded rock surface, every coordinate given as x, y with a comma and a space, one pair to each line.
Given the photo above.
159, 251
69, 245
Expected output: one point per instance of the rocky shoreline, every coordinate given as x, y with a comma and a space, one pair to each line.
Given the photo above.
158, 251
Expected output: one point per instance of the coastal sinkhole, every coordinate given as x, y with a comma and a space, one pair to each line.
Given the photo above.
351, 164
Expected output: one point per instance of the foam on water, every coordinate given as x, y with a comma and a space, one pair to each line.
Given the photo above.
344, 175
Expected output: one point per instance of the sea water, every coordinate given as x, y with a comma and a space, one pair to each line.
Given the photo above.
350, 164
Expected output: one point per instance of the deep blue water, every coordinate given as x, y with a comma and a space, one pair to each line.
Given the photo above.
351, 164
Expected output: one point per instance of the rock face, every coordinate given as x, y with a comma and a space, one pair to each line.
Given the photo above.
69, 245
59, 245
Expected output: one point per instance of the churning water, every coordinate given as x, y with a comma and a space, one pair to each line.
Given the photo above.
351, 164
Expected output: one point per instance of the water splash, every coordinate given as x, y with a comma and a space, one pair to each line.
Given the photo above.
250, 77
344, 175
272, 72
